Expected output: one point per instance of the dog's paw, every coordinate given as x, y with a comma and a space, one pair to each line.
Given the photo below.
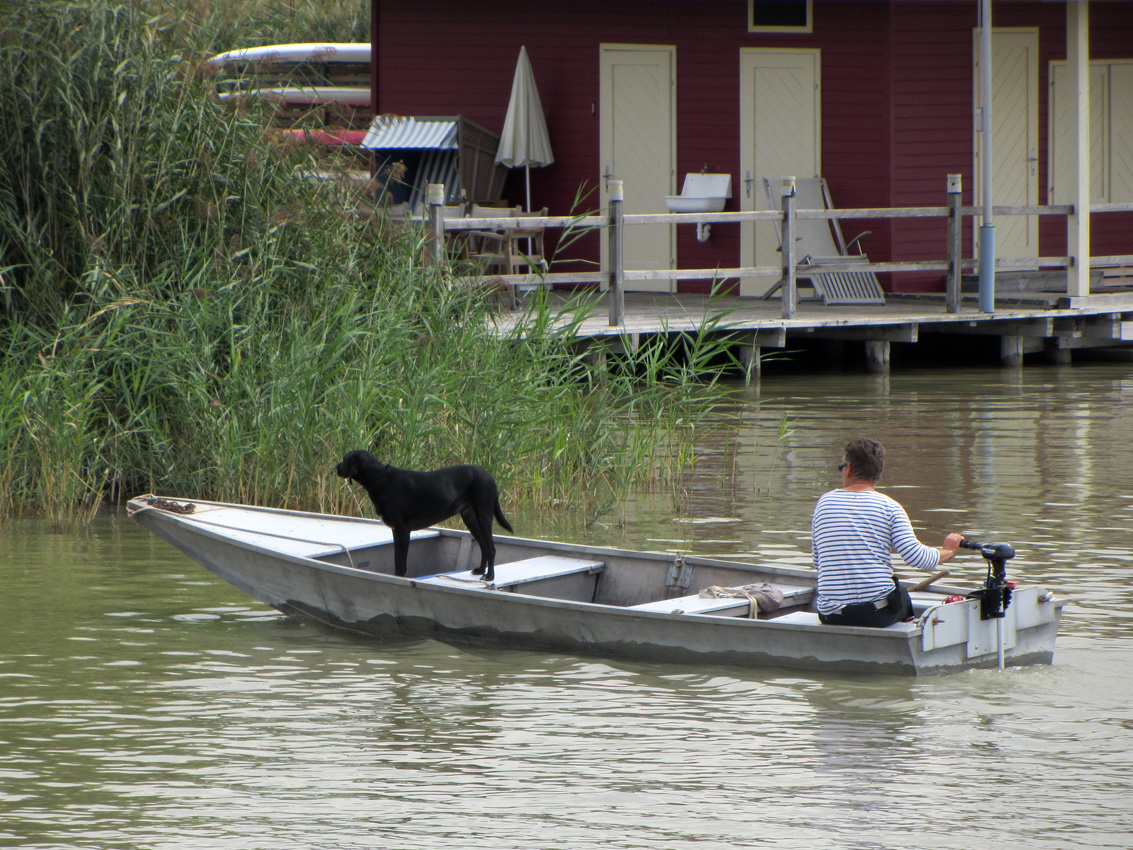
478, 571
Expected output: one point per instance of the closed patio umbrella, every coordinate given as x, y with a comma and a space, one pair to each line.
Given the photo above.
524, 141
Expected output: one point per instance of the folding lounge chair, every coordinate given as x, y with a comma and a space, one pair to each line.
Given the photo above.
839, 282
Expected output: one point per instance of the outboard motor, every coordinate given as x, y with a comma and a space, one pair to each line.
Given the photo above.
995, 595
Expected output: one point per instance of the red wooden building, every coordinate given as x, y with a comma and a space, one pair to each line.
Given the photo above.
877, 97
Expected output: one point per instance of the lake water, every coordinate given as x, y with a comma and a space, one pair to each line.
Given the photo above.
145, 704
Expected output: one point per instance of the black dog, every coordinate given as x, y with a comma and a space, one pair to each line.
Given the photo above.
407, 501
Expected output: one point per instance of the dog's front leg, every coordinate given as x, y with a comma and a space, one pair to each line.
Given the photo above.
400, 550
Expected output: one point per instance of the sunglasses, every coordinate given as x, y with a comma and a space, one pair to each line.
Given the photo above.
842, 466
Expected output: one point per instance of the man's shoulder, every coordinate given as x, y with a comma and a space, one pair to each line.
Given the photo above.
851, 495
857, 500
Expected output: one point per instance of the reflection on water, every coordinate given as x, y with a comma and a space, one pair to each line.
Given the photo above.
144, 704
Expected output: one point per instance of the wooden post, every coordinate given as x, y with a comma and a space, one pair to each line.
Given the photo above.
790, 294
1011, 350
877, 356
953, 294
435, 196
1078, 222
751, 355
1056, 351
617, 254
987, 227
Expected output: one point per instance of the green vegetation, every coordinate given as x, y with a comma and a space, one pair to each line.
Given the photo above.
182, 312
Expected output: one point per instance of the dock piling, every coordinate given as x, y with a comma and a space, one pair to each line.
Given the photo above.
617, 253
789, 292
955, 243
435, 196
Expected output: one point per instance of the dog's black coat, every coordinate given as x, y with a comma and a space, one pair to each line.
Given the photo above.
407, 501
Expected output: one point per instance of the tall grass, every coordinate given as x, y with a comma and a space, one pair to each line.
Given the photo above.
182, 313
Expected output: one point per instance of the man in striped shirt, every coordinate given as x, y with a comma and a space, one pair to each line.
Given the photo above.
854, 530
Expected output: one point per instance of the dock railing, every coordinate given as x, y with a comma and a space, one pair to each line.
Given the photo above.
614, 221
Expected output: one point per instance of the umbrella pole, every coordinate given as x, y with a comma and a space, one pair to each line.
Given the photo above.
527, 178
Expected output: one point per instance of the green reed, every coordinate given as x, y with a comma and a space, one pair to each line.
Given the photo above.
184, 312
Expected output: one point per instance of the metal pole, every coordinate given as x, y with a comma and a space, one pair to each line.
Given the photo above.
617, 254
955, 244
987, 228
435, 197
790, 293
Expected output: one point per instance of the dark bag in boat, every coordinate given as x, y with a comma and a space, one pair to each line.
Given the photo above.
899, 600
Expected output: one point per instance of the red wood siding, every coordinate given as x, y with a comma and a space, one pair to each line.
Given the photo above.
856, 113
932, 124
896, 87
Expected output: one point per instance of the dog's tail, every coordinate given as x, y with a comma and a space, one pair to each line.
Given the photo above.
500, 518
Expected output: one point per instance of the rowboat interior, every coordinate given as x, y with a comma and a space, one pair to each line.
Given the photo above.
647, 582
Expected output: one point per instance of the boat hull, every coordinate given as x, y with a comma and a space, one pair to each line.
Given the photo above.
347, 589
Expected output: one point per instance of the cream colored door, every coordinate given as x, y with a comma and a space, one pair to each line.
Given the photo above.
1059, 137
1120, 125
638, 147
780, 136
1111, 132
1014, 139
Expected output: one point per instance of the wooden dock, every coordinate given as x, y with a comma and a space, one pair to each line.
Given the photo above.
1091, 310
1023, 322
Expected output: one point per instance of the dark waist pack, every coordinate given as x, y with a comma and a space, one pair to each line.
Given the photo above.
892, 608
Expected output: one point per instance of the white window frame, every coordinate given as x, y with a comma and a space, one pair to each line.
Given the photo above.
806, 28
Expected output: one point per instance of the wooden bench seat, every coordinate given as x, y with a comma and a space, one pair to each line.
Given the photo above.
365, 538
810, 618
519, 572
731, 606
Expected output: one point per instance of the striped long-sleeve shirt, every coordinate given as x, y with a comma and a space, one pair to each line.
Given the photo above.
853, 534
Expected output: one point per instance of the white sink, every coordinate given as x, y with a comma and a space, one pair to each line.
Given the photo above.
683, 204
702, 193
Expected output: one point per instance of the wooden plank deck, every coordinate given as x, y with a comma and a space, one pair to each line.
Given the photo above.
1024, 321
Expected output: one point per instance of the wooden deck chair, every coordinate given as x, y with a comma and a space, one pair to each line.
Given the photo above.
820, 242
506, 251
527, 244
457, 240
488, 248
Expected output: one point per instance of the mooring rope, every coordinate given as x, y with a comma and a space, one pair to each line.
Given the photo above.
765, 598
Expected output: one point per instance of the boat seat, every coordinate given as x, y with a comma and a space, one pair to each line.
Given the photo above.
924, 601
347, 541
731, 606
810, 618
519, 572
